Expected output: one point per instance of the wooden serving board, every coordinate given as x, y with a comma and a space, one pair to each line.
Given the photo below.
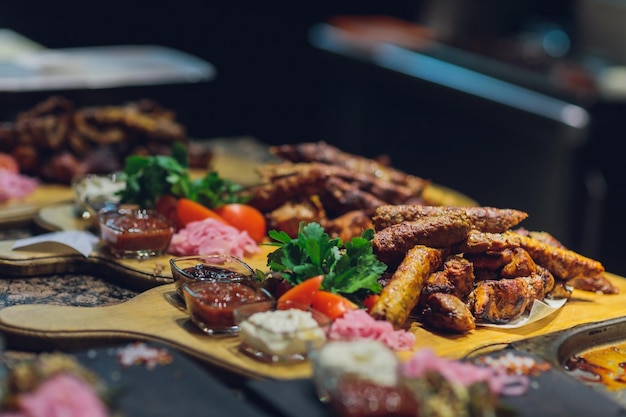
154, 315
24, 210
134, 273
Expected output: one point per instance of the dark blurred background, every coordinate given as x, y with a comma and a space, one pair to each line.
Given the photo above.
275, 85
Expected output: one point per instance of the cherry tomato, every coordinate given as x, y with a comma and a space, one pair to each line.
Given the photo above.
370, 300
191, 211
303, 293
244, 217
9, 163
332, 305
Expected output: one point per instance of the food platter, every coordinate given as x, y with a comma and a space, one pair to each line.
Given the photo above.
156, 315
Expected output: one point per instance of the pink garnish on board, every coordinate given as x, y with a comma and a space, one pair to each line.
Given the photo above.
139, 353
211, 237
15, 185
358, 324
62, 395
466, 374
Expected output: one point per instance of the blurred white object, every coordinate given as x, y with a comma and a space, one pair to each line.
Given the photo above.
101, 67
13, 44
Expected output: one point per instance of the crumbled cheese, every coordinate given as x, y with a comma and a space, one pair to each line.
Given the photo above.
368, 359
282, 332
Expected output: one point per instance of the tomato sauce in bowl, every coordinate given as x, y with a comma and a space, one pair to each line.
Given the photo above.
131, 232
211, 304
188, 269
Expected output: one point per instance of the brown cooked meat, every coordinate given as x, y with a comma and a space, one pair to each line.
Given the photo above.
402, 292
447, 312
392, 243
484, 219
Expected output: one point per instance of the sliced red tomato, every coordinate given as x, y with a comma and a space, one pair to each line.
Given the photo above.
303, 293
190, 211
9, 163
332, 305
244, 217
370, 300
166, 205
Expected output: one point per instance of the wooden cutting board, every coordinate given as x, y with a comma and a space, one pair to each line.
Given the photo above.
133, 273
24, 210
154, 315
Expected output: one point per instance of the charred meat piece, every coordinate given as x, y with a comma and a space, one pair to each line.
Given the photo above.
598, 284
500, 301
287, 217
560, 290
490, 260
401, 294
447, 312
341, 196
348, 225
323, 152
269, 196
456, 277
478, 242
563, 263
485, 219
520, 265
392, 243
541, 236
386, 191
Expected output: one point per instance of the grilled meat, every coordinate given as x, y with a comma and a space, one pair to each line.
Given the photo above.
402, 292
456, 277
490, 260
484, 219
565, 264
520, 265
323, 152
392, 243
598, 284
477, 242
447, 312
55, 141
386, 191
500, 301
348, 225
288, 216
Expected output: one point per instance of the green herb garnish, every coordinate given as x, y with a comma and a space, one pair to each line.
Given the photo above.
351, 270
150, 177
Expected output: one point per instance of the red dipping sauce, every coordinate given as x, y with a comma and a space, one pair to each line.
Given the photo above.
135, 233
211, 304
188, 269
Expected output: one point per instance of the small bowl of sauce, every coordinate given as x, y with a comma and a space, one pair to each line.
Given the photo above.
211, 303
189, 269
132, 232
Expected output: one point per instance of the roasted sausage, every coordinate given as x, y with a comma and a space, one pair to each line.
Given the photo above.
402, 292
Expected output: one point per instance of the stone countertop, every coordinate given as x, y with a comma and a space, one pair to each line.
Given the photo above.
66, 289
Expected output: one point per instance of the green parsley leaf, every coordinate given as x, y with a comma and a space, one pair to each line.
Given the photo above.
150, 177
351, 270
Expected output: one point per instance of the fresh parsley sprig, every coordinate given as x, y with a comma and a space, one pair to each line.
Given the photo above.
150, 177
351, 270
